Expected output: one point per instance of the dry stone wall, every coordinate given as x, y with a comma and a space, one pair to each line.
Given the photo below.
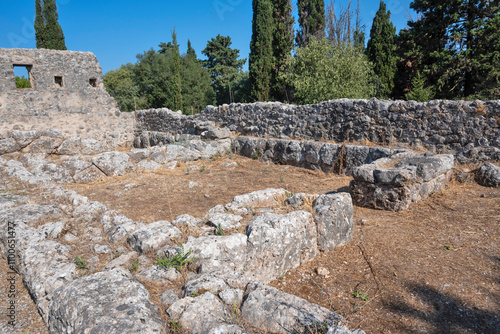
469, 130
67, 93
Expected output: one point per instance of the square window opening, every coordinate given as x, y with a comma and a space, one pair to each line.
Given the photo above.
22, 76
58, 81
93, 83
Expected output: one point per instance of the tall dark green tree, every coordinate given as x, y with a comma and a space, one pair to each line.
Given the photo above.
311, 20
282, 47
381, 49
224, 67
261, 50
190, 50
53, 30
176, 74
40, 31
446, 45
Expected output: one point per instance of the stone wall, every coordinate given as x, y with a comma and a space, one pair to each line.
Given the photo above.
67, 93
470, 130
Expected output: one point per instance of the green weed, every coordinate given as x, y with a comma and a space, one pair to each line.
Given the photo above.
362, 295
177, 261
80, 263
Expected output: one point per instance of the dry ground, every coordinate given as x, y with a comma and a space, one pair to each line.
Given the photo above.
432, 269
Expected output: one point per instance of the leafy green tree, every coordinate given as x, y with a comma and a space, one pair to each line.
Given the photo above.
224, 67
197, 91
282, 47
381, 49
40, 31
419, 92
53, 30
321, 71
22, 82
447, 44
311, 20
261, 50
121, 86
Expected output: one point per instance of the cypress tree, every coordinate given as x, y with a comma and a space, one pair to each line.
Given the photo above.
381, 49
55, 36
261, 50
40, 32
176, 74
190, 50
311, 20
282, 47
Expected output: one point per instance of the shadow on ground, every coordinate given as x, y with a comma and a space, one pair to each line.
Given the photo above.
449, 315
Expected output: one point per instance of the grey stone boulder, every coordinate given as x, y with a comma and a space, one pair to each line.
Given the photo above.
298, 201
226, 221
9, 145
429, 167
169, 297
177, 152
91, 146
138, 154
70, 146
46, 266
76, 165
489, 175
258, 199
333, 214
398, 176
122, 260
24, 138
217, 133
34, 213
231, 297
154, 236
119, 305
148, 165
215, 282
186, 221
213, 253
157, 275
272, 311
54, 173
278, 243
88, 175
43, 145
199, 315
113, 163
226, 329
119, 227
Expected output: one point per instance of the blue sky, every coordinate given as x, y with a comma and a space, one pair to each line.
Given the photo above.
116, 31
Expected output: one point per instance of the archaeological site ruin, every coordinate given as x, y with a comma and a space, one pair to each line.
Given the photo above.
90, 268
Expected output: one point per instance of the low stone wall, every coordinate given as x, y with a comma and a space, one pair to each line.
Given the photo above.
469, 130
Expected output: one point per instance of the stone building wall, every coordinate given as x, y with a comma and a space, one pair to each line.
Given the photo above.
67, 93
470, 130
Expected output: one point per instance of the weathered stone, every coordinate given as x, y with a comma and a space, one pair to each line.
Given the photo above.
54, 173
70, 146
88, 175
278, 243
225, 221
91, 146
154, 236
186, 220
43, 145
9, 145
157, 275
231, 297
119, 305
102, 249
200, 314
24, 138
113, 163
217, 133
122, 260
118, 227
212, 253
46, 266
76, 165
489, 175
138, 154
333, 214
169, 297
148, 165
176, 152
273, 311
258, 199
430, 167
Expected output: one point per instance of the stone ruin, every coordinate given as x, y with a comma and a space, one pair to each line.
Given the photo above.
39, 151
67, 94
